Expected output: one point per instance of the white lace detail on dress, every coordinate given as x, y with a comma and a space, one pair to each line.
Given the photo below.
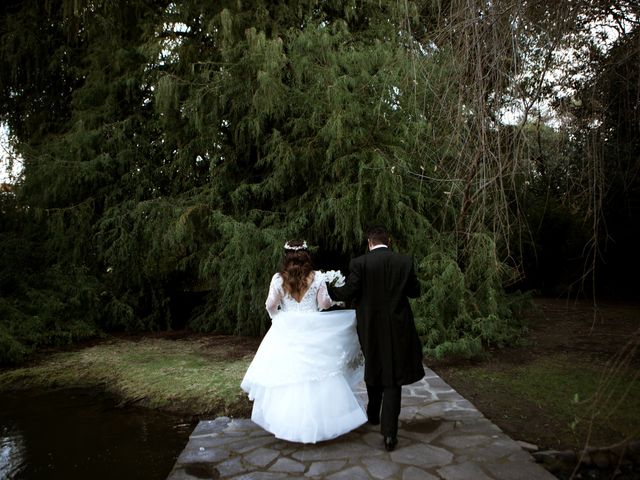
307, 303
314, 298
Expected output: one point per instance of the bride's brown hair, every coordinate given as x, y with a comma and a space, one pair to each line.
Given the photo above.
296, 268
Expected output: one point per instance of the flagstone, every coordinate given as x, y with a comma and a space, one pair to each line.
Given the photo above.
414, 473
353, 473
334, 451
201, 454
232, 466
442, 436
287, 465
262, 456
424, 456
322, 468
462, 471
381, 468
460, 442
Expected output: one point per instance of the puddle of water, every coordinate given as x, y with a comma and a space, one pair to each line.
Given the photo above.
83, 435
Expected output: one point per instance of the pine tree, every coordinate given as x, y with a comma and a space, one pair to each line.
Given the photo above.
174, 147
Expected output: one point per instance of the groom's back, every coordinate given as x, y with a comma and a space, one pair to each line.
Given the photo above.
386, 277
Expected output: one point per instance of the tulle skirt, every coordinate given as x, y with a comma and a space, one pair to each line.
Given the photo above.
302, 377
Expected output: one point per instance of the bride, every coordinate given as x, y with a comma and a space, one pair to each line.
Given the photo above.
302, 377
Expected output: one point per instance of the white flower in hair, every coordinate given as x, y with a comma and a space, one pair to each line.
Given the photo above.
304, 246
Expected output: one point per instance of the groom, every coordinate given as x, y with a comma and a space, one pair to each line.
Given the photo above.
381, 282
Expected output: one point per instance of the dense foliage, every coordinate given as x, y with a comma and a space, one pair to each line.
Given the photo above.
169, 149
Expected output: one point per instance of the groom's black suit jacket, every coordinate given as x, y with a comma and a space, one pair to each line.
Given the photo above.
380, 282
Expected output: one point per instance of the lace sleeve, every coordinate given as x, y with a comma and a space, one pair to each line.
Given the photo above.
322, 297
275, 295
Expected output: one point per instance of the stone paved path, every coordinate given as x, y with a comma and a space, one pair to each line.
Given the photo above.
441, 436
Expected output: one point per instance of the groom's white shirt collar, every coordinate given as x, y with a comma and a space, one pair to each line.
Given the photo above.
378, 246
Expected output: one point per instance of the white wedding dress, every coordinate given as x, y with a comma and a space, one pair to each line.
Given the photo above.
302, 377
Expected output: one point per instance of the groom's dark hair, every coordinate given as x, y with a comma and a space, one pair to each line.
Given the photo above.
377, 234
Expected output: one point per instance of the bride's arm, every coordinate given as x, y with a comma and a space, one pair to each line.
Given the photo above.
323, 298
275, 295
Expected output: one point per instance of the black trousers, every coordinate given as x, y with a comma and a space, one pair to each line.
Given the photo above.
387, 399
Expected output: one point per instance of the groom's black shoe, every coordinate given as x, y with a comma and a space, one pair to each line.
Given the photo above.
390, 443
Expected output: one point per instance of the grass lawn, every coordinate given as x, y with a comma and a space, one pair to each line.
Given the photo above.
196, 375
575, 384
555, 402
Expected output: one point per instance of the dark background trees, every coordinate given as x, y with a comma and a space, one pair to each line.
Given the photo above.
169, 149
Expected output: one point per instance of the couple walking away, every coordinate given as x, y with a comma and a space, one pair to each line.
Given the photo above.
303, 375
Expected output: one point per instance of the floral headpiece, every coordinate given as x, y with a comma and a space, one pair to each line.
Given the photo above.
304, 246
